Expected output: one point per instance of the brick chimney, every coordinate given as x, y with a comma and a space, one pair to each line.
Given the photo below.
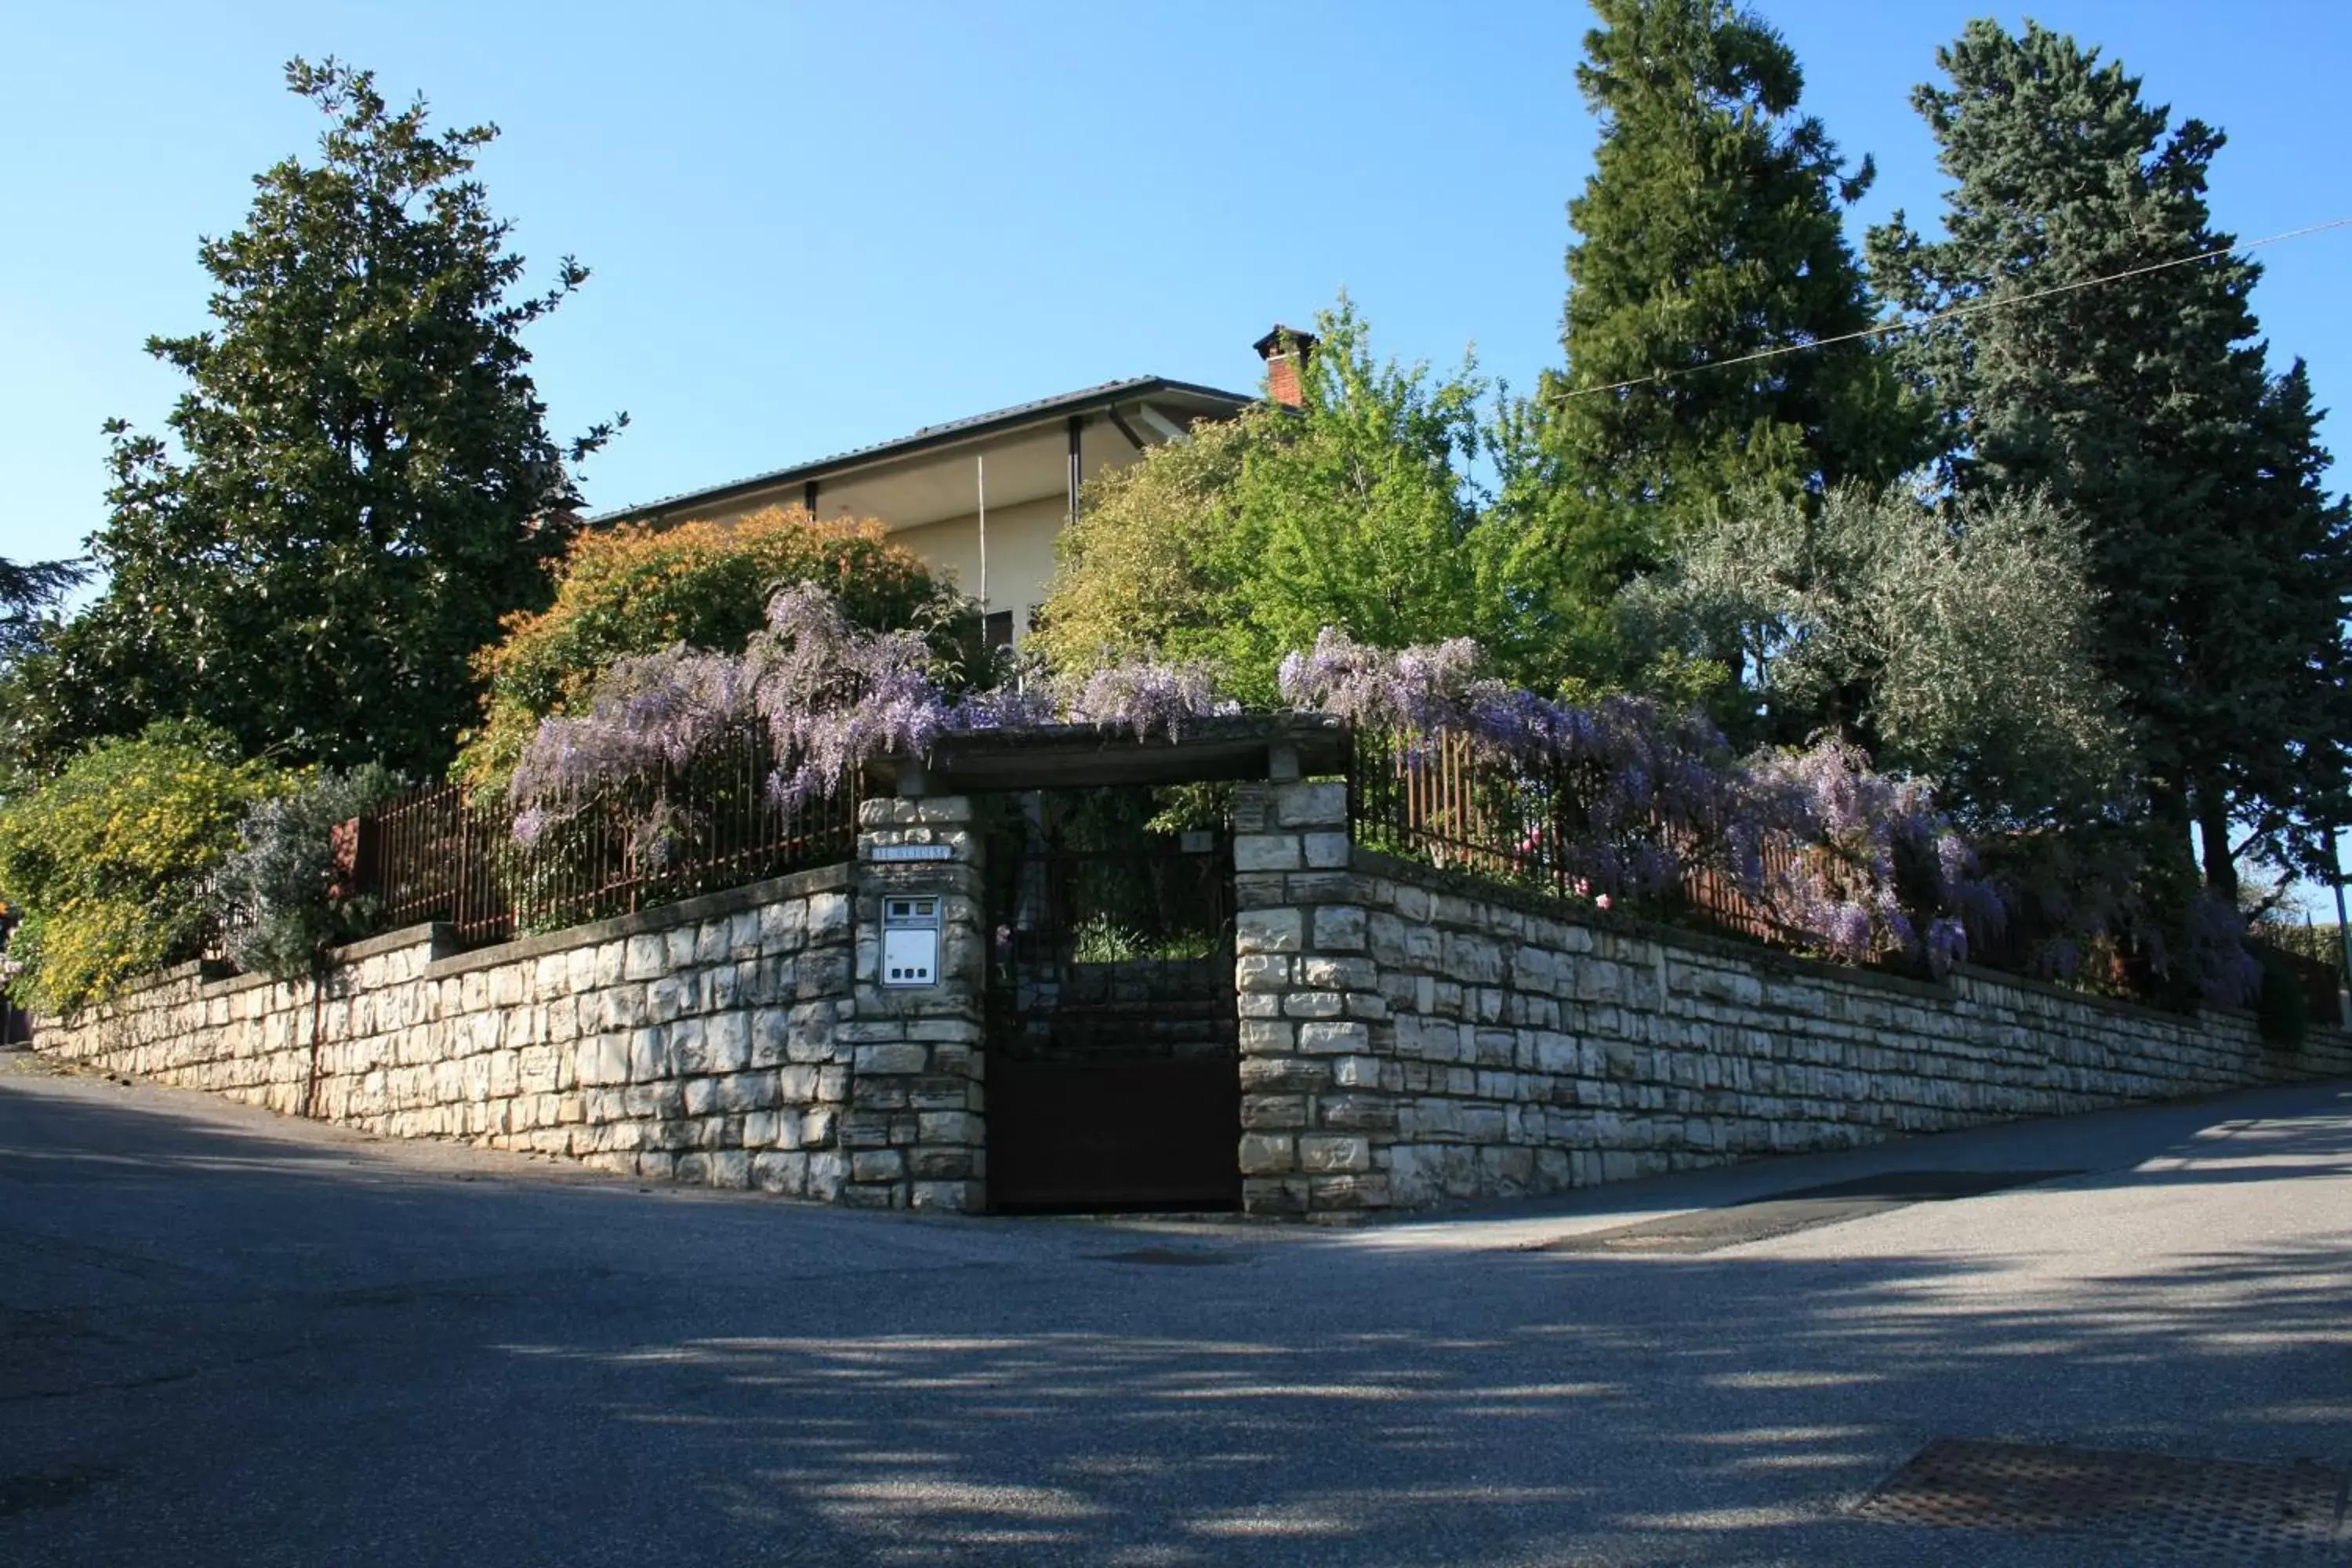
1285, 351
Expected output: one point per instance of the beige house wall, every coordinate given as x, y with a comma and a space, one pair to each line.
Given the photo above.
1020, 553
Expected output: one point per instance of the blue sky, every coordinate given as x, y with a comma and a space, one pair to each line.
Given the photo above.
813, 227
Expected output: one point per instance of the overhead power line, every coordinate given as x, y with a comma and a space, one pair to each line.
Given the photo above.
1974, 307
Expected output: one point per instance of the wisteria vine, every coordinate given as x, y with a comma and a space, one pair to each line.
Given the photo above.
1854, 862
1657, 791
830, 696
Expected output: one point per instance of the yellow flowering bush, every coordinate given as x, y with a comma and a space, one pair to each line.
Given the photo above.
108, 861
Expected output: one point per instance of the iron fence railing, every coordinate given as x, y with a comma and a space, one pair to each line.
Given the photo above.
1439, 799
437, 854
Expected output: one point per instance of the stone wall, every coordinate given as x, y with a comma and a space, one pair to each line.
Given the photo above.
697, 1042
1409, 1039
918, 1135
740, 1040
1405, 1038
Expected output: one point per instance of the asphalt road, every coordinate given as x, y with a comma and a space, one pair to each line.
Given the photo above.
227, 1338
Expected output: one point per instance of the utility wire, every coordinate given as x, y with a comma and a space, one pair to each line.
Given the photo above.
1974, 307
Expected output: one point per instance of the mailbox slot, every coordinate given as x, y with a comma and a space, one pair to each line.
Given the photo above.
910, 939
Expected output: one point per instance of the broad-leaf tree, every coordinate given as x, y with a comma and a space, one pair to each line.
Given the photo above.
359, 482
28, 592
1949, 640
1354, 509
2145, 407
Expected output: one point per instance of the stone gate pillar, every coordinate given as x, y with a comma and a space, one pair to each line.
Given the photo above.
1315, 1122
914, 1128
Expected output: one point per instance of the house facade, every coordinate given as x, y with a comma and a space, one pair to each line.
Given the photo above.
982, 498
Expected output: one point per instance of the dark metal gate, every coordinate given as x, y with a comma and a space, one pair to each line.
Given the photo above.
1112, 1070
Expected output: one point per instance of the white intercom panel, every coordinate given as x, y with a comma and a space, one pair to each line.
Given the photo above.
910, 942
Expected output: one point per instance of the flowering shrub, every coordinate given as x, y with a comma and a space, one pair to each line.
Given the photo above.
1642, 792
108, 861
1615, 798
634, 591
1879, 867
1630, 788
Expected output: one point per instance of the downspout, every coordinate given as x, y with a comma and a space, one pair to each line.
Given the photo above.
979, 461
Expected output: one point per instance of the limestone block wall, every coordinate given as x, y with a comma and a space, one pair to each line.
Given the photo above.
701, 1042
916, 1134
1409, 1039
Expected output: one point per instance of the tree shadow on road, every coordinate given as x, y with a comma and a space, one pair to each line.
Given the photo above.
743, 1381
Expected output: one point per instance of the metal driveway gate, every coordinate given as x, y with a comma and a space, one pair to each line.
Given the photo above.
1112, 1069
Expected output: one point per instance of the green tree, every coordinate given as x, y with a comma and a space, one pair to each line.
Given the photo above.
1950, 640
2145, 409
28, 594
1710, 230
1353, 509
360, 483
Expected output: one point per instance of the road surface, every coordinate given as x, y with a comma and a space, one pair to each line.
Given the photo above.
234, 1339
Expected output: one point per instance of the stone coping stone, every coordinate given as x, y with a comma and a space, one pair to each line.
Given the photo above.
216, 978
688, 911
1771, 959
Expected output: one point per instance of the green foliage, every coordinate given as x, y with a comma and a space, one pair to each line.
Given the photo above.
637, 590
28, 591
360, 482
1710, 229
1949, 641
2145, 409
1353, 510
108, 861
1099, 939
2319, 944
2282, 1010
280, 896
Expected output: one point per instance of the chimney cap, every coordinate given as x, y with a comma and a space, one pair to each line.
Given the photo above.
1271, 345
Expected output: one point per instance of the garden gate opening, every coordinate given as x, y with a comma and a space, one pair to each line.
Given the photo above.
1112, 1067
1109, 1063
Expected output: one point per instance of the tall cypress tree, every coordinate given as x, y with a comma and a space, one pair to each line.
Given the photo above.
2146, 407
1711, 228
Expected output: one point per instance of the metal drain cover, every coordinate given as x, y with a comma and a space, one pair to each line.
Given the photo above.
2215, 1509
1165, 1257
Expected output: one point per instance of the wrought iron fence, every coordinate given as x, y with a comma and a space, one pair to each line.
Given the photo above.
439, 855
1438, 799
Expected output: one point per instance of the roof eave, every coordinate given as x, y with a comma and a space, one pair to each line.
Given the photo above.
941, 437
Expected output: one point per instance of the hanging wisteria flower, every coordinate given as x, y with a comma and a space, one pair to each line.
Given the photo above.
828, 698
1634, 795
1149, 700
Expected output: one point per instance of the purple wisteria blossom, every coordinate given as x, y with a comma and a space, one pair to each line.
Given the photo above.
1858, 863
829, 697
1147, 699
